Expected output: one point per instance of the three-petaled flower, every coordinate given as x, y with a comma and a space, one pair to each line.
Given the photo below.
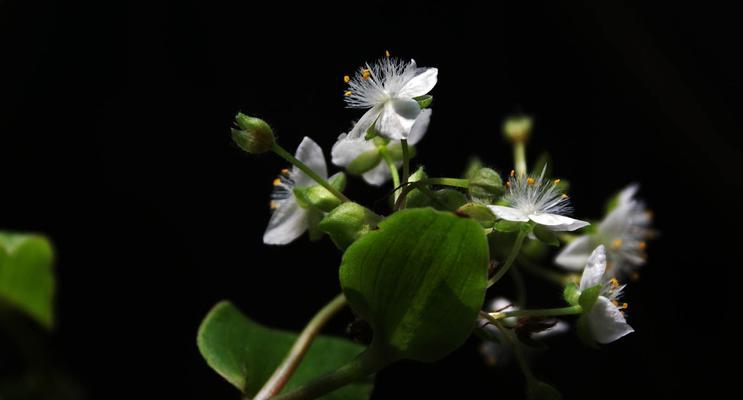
387, 88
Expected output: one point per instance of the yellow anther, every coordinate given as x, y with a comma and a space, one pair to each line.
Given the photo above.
564, 196
513, 173
642, 245
273, 205
614, 283
530, 181
557, 181
285, 171
387, 53
508, 185
347, 93
277, 182
365, 74
623, 306
346, 78
616, 244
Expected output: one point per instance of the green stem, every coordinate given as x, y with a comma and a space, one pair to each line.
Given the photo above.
540, 312
511, 257
519, 157
362, 366
405, 166
317, 178
517, 350
392, 167
454, 182
541, 272
281, 375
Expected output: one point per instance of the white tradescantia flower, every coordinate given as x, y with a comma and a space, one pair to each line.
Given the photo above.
606, 318
387, 88
347, 149
289, 219
539, 200
623, 232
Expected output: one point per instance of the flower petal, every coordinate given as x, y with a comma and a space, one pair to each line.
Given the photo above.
557, 222
509, 213
345, 149
575, 254
366, 121
593, 274
420, 126
607, 322
397, 118
420, 84
287, 223
627, 194
309, 153
378, 175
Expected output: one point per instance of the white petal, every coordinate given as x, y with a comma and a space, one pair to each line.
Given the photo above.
557, 222
508, 213
309, 153
420, 84
397, 118
420, 126
345, 150
366, 121
378, 175
287, 223
499, 304
575, 254
595, 267
614, 223
607, 322
627, 194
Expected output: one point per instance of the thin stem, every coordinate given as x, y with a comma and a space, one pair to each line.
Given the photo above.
405, 167
281, 375
539, 312
517, 350
362, 366
511, 257
541, 272
454, 182
392, 167
519, 157
321, 181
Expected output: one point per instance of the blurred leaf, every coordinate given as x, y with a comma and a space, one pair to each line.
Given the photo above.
419, 280
364, 162
246, 353
508, 226
26, 276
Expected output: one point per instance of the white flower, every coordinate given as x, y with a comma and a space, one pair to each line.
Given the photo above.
289, 219
623, 232
606, 318
346, 149
387, 89
533, 198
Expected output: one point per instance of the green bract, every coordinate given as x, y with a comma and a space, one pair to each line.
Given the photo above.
348, 222
26, 277
246, 353
419, 281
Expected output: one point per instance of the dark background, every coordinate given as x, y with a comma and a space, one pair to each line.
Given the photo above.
114, 141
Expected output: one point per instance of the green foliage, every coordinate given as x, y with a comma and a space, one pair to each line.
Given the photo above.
26, 276
424, 101
419, 280
479, 213
246, 353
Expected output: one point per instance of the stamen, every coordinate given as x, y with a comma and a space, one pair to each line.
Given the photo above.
564, 196
347, 93
285, 171
508, 185
616, 244
642, 245
277, 182
623, 306
387, 53
346, 78
273, 204
530, 181
365, 74
557, 181
614, 283
513, 173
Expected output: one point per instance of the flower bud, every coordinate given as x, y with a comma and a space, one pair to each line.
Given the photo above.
348, 222
517, 128
254, 135
485, 186
320, 198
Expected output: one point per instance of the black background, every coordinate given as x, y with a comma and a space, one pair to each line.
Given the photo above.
114, 141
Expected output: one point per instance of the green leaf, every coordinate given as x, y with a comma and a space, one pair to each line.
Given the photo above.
424, 101
546, 236
508, 226
246, 353
448, 199
364, 162
419, 280
26, 276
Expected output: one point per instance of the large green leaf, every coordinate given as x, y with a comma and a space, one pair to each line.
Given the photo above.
246, 353
26, 277
419, 280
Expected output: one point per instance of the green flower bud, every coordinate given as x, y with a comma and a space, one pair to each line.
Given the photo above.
479, 212
319, 197
364, 162
517, 128
486, 186
254, 135
348, 222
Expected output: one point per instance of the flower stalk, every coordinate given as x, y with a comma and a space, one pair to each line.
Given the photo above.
276, 148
